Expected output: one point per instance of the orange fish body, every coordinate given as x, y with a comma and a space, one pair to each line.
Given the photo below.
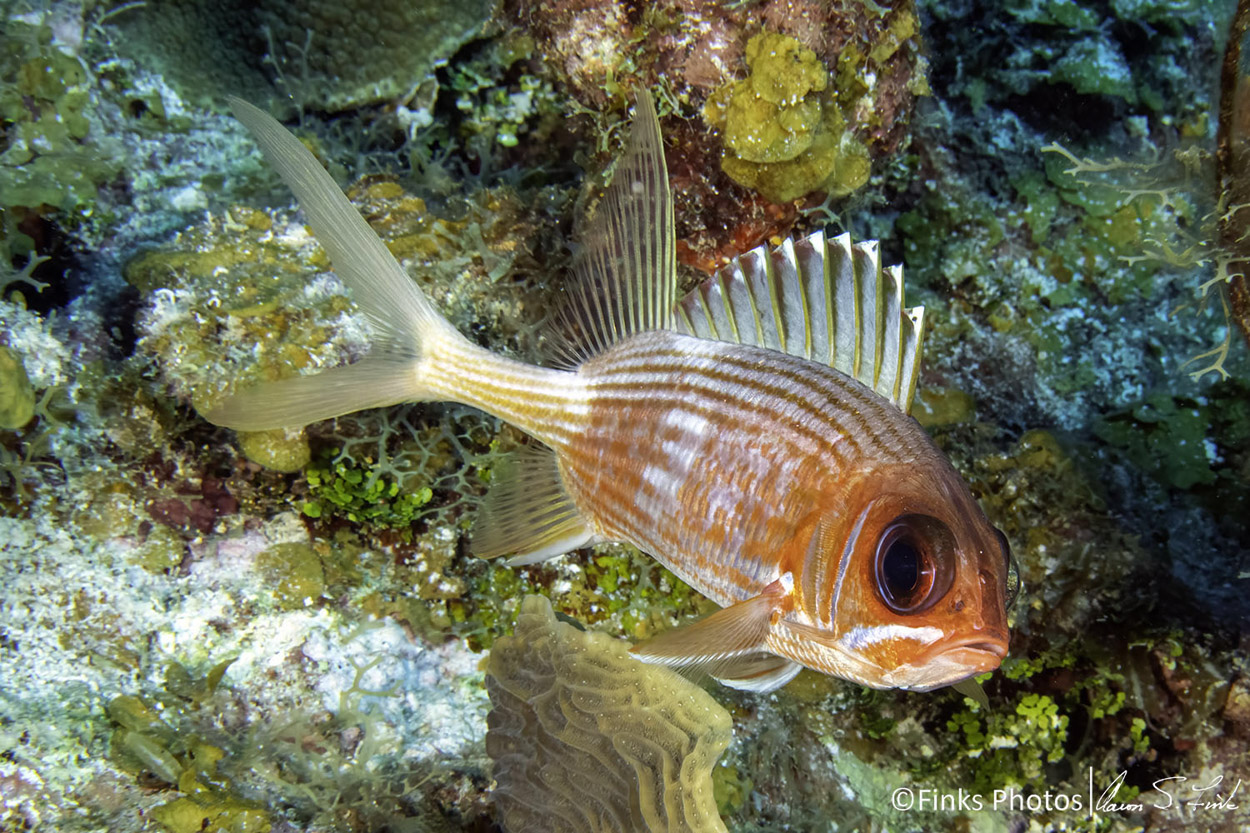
752, 437
772, 466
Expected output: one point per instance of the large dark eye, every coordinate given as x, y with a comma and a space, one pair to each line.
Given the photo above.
913, 568
1010, 569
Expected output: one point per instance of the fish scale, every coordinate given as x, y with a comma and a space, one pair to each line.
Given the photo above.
794, 492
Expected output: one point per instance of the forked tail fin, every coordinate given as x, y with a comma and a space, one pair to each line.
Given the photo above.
407, 329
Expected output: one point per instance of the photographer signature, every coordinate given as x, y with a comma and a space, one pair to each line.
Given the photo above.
1168, 793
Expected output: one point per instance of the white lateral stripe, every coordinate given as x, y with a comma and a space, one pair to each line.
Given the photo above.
864, 635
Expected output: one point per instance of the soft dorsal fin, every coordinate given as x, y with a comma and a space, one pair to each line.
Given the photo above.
625, 276
820, 298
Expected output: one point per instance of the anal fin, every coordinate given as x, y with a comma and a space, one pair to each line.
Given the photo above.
528, 514
730, 644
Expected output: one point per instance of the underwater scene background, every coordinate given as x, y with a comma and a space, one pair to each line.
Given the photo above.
284, 630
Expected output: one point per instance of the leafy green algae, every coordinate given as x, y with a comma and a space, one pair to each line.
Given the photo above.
362, 496
143, 742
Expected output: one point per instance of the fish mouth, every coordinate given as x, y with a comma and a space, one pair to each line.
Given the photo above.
949, 664
995, 648
976, 657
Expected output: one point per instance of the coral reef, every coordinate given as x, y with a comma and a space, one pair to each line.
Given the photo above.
204, 631
48, 160
585, 737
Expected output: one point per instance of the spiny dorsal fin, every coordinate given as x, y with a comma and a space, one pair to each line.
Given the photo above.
819, 298
528, 514
625, 276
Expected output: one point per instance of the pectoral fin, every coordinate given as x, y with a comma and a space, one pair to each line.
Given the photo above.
730, 645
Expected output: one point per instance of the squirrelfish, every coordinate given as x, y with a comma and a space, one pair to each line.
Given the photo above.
753, 436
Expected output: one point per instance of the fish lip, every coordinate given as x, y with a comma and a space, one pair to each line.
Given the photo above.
975, 659
952, 662
975, 654
994, 647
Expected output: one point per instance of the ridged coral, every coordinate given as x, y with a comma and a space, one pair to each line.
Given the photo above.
586, 738
324, 55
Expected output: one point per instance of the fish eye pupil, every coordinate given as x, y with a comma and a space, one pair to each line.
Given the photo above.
913, 564
901, 567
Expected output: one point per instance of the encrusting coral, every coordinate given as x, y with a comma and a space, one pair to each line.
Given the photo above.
17, 397
782, 137
587, 738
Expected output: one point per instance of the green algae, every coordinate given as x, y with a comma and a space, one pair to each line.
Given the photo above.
1096, 66
1193, 444
783, 136
501, 101
1165, 436
1011, 748
144, 742
731, 788
135, 715
363, 496
934, 406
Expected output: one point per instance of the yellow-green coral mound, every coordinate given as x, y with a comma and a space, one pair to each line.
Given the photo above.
17, 397
783, 136
586, 738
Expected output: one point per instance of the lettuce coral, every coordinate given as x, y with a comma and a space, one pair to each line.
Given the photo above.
586, 738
